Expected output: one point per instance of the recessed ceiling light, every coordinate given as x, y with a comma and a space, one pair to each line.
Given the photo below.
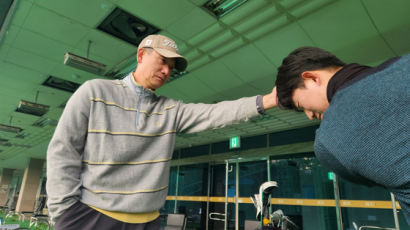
58, 83
32, 108
219, 8
11, 129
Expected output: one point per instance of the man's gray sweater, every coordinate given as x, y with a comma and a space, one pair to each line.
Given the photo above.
114, 142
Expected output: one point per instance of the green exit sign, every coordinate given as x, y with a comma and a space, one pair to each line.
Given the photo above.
330, 175
234, 142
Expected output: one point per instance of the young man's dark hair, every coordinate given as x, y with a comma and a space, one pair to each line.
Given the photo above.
300, 60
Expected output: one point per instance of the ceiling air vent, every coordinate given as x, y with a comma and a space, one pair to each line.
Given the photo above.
84, 64
127, 27
58, 83
32, 108
10, 129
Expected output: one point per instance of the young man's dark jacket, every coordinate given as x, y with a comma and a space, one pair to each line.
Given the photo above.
365, 132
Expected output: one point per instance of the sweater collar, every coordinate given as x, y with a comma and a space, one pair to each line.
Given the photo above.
137, 88
344, 75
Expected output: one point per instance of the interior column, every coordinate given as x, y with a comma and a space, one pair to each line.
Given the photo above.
29, 186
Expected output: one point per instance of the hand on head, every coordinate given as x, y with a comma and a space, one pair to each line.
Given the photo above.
270, 100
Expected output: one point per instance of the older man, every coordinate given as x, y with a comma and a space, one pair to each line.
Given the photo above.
108, 161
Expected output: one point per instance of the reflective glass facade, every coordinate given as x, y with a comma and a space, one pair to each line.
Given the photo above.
305, 192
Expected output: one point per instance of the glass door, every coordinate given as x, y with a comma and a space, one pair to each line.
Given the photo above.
222, 193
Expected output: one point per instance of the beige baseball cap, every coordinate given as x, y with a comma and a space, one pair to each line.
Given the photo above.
166, 47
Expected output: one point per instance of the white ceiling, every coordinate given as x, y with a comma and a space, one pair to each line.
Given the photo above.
229, 58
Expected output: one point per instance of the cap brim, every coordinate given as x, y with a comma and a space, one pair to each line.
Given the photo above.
180, 62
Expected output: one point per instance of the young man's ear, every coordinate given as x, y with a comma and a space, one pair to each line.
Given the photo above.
311, 75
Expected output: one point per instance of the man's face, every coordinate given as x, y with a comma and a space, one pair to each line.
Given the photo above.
311, 99
157, 69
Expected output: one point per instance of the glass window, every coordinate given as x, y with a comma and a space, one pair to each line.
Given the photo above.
246, 212
254, 142
193, 180
195, 151
301, 178
366, 216
293, 136
251, 176
218, 190
195, 213
305, 217
172, 181
352, 191
310, 217
221, 147
372, 217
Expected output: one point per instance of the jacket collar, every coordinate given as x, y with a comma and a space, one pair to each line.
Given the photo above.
137, 88
344, 76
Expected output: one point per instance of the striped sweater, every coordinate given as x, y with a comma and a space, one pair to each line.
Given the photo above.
114, 141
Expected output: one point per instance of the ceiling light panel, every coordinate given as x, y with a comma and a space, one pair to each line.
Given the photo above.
243, 13
263, 16
84, 64
229, 46
333, 26
159, 18
191, 24
32, 108
238, 62
219, 8
22, 135
191, 54
90, 13
301, 8
211, 75
10, 129
40, 45
43, 122
392, 23
10, 71
196, 63
272, 45
61, 84
30, 60
50, 24
206, 35
218, 40
267, 27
